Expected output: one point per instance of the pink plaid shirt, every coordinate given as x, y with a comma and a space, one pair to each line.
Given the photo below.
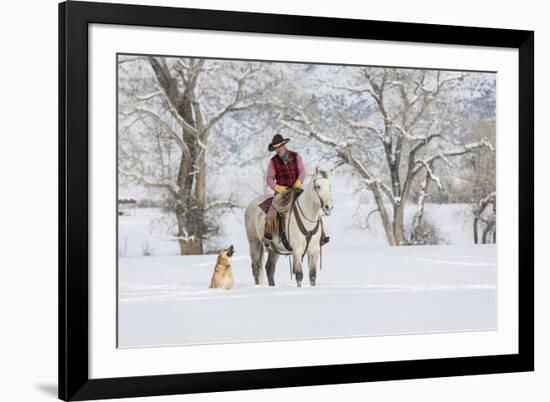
271, 172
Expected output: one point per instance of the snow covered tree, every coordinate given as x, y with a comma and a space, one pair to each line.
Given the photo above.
168, 109
393, 127
479, 172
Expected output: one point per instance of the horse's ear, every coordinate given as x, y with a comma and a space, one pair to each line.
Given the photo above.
320, 173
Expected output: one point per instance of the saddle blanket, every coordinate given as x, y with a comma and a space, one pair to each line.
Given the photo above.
264, 206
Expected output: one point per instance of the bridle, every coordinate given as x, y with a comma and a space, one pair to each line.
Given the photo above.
320, 202
318, 195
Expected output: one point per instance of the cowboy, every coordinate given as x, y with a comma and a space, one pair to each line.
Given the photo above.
285, 171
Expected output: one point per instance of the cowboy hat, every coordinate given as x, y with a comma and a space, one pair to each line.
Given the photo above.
276, 142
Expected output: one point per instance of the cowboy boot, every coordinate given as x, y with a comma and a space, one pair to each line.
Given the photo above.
267, 240
270, 223
268, 237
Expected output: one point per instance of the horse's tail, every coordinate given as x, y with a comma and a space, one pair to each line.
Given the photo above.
254, 225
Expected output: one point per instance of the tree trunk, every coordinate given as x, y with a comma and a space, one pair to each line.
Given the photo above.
190, 241
485, 233
399, 217
476, 222
417, 221
189, 212
421, 203
398, 210
200, 185
190, 247
398, 224
386, 223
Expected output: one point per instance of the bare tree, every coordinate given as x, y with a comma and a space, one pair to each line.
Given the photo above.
168, 109
476, 177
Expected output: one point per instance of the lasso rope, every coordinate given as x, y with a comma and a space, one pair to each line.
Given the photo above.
283, 202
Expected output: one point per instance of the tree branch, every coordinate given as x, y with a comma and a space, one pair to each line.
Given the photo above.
147, 183
151, 113
233, 106
467, 148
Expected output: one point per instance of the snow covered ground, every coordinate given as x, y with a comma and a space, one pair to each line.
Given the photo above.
365, 287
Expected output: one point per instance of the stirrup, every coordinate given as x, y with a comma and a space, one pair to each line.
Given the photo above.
325, 240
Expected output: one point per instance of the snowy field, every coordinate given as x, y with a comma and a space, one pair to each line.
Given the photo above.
365, 287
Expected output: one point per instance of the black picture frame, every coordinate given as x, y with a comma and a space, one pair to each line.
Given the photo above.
74, 380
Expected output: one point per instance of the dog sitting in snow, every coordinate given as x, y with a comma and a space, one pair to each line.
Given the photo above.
223, 276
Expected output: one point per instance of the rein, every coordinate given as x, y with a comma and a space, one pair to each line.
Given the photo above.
307, 233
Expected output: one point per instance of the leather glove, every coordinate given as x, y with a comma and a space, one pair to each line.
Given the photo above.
280, 189
298, 184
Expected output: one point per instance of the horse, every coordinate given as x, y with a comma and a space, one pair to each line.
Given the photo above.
315, 198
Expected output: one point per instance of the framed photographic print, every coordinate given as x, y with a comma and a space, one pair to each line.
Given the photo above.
258, 200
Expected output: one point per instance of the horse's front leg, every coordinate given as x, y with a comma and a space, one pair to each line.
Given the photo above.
297, 267
270, 267
312, 258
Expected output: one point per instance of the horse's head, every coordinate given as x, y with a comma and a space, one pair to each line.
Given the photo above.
321, 186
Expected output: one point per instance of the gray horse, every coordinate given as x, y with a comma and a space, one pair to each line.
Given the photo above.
315, 197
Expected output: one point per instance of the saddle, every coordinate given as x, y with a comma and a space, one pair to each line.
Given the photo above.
292, 194
265, 205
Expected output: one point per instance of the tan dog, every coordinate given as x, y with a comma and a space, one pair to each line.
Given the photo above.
223, 276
